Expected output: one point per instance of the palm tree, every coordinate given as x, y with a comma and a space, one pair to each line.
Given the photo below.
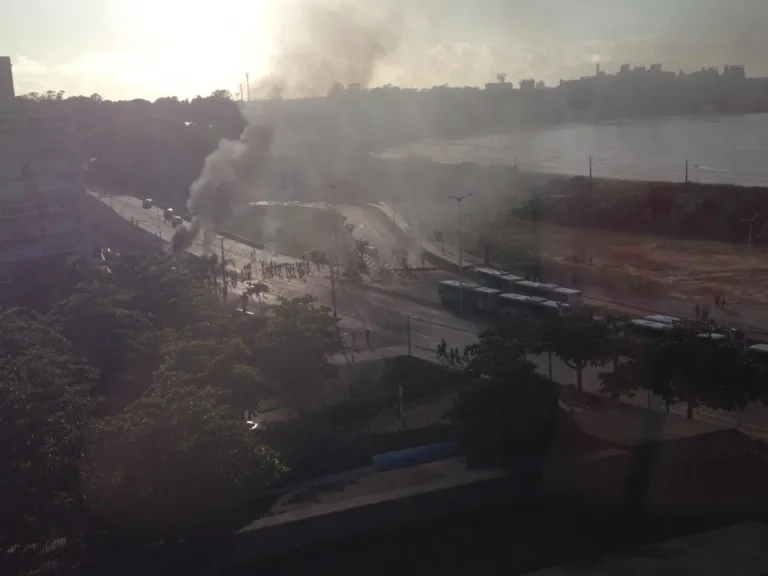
260, 289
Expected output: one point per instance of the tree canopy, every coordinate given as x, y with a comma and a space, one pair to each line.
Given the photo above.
507, 413
681, 366
123, 394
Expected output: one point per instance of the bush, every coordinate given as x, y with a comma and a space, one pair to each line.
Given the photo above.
507, 421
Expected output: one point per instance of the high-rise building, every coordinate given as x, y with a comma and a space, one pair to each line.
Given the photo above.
6, 80
42, 189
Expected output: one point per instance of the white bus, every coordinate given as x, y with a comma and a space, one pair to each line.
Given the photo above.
475, 298
566, 296
760, 351
714, 336
649, 328
670, 321
497, 279
449, 291
536, 289
485, 299
513, 305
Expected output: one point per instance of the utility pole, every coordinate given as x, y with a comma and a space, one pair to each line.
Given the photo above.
408, 328
686, 171
745, 292
336, 255
590, 167
224, 280
459, 200
400, 405
248, 86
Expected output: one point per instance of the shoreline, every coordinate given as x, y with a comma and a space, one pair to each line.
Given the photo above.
720, 148
683, 211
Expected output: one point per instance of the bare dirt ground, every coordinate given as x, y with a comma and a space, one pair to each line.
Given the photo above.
696, 270
616, 266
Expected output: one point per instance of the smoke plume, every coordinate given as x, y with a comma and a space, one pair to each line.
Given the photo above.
327, 45
229, 176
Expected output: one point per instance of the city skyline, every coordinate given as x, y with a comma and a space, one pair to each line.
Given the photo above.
138, 49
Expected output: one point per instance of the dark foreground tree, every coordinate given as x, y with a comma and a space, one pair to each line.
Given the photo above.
507, 413
45, 406
176, 464
682, 367
578, 340
295, 347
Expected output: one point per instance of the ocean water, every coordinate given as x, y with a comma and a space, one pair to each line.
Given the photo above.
719, 149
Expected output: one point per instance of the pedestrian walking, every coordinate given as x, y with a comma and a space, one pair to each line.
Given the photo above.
698, 312
705, 313
717, 300
368, 338
722, 302
354, 342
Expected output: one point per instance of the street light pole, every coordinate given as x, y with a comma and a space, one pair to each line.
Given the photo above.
459, 200
336, 255
745, 292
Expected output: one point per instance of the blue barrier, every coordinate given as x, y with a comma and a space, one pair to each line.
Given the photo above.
413, 456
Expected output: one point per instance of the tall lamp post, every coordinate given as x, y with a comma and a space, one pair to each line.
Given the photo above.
749, 221
333, 188
459, 200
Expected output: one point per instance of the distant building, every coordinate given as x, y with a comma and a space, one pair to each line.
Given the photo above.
735, 72
42, 189
7, 93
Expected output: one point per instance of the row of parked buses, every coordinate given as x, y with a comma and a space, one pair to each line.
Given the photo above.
510, 284
497, 292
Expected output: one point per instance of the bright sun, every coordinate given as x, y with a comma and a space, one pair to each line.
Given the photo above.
189, 48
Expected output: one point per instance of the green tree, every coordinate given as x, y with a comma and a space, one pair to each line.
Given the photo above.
621, 342
45, 407
225, 364
260, 290
361, 249
578, 340
118, 341
507, 413
176, 464
295, 347
222, 94
682, 367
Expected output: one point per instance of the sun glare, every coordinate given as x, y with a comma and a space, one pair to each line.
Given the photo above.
189, 48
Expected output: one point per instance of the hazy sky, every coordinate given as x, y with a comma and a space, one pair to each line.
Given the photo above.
149, 48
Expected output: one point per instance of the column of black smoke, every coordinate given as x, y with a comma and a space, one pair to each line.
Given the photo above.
229, 176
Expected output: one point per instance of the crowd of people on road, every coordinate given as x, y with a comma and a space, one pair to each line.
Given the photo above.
702, 312
454, 356
289, 270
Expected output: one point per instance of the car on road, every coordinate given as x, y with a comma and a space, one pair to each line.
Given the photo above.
176, 221
146, 203
168, 213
